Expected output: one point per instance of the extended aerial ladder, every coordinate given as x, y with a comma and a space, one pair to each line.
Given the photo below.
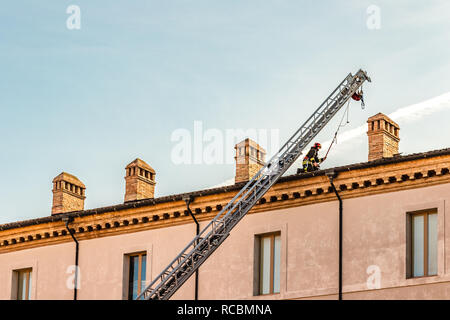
211, 237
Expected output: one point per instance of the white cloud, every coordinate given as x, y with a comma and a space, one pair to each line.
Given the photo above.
402, 116
419, 110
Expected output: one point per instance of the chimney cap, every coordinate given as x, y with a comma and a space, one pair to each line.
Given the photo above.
64, 176
140, 164
382, 116
250, 142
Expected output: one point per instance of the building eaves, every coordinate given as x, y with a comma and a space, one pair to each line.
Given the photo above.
235, 187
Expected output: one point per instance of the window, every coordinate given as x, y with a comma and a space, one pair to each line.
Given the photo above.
22, 279
137, 274
267, 264
422, 244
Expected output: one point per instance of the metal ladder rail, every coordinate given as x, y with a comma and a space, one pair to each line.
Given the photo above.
187, 257
212, 244
289, 158
313, 129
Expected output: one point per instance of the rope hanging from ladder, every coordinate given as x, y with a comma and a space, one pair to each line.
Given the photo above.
357, 96
339, 127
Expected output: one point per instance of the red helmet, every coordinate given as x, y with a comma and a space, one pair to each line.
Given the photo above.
317, 145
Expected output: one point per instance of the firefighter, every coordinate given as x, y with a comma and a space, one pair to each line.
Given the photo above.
311, 162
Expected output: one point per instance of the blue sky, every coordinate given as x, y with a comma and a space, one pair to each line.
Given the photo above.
90, 101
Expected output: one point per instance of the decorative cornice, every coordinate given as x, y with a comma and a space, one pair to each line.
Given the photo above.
364, 179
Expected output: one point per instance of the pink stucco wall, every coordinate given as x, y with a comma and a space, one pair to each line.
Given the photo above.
374, 235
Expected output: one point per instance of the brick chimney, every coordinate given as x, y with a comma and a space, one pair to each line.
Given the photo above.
139, 181
68, 194
383, 136
249, 158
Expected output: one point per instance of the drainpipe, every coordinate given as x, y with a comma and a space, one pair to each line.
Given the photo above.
188, 200
332, 175
68, 220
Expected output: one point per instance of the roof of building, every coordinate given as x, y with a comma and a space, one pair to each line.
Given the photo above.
250, 142
141, 164
380, 116
235, 187
64, 176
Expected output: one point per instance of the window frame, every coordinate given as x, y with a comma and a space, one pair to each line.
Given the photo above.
258, 279
130, 270
28, 283
410, 243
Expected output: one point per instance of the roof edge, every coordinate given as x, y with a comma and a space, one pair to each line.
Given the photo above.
238, 186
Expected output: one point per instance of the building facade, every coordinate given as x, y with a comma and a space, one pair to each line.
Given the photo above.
395, 234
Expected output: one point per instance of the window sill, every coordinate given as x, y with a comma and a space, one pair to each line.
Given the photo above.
267, 295
423, 280
422, 277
